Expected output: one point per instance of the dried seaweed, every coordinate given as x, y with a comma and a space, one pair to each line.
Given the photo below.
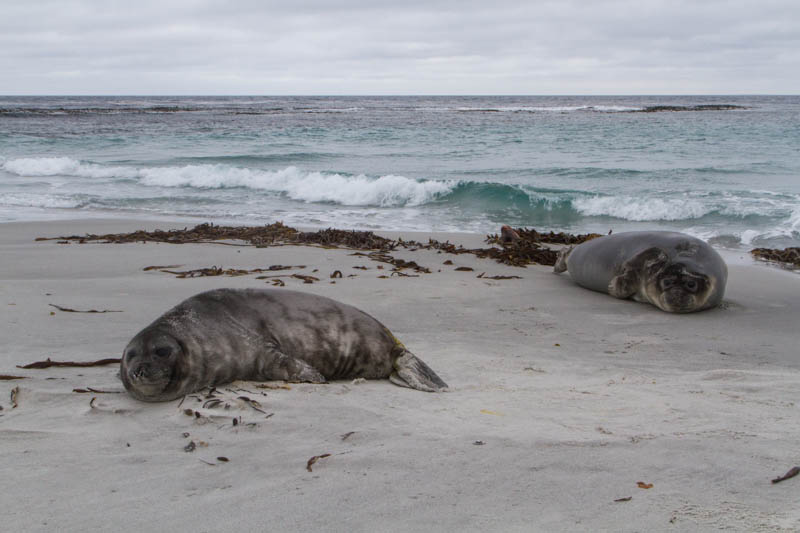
48, 363
789, 257
398, 264
68, 310
358, 240
14, 397
252, 403
483, 275
6, 377
95, 391
219, 271
533, 236
525, 248
629, 498
306, 279
643, 485
348, 435
259, 236
788, 475
315, 459
154, 267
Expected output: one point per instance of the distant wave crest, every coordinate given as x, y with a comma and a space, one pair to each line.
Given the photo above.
64, 166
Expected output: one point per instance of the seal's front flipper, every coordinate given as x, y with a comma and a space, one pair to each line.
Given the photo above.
635, 271
624, 285
561, 261
411, 372
288, 368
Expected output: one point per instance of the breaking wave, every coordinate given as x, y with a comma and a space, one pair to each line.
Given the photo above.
205, 189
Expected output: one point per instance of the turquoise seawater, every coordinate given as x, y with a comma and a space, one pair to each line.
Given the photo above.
725, 168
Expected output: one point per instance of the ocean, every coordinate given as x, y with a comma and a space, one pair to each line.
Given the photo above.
724, 168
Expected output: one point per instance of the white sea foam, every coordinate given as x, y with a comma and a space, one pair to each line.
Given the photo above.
64, 166
296, 184
642, 209
47, 201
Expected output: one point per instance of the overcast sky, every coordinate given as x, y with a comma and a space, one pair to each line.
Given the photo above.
399, 47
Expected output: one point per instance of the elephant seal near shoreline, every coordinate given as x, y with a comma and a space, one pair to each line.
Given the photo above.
223, 335
675, 272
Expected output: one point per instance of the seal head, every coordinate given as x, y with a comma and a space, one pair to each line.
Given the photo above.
151, 365
678, 287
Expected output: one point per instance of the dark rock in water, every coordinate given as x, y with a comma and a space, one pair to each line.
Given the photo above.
701, 107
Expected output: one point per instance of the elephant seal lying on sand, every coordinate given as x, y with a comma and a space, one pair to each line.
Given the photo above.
260, 334
673, 271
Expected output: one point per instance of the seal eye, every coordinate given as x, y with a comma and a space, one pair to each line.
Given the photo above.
163, 351
667, 283
690, 285
131, 354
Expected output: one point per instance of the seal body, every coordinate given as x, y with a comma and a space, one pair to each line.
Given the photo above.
675, 272
261, 334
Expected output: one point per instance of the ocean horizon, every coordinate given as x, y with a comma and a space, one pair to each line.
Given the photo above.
725, 168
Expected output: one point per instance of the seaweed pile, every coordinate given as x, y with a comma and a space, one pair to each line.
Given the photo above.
789, 257
533, 236
259, 236
526, 247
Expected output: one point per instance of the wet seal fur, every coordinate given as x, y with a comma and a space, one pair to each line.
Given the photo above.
675, 272
224, 335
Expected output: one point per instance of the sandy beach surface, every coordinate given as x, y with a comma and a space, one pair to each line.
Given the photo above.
562, 400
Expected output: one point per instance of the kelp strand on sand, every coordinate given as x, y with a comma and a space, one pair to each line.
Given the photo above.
524, 250
48, 363
219, 271
68, 310
270, 235
788, 475
315, 459
789, 257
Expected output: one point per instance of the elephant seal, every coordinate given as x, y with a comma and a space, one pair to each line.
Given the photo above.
223, 335
673, 271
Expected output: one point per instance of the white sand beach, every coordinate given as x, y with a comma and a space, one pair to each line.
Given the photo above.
561, 401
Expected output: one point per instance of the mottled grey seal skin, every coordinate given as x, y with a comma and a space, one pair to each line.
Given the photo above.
260, 335
675, 272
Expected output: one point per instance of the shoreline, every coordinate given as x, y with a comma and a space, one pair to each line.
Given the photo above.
574, 397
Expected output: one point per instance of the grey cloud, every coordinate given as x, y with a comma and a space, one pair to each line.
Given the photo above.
412, 47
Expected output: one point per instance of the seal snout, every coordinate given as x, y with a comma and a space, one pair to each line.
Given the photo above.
148, 364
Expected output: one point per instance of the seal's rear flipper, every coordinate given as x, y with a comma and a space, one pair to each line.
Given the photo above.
561, 261
411, 372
